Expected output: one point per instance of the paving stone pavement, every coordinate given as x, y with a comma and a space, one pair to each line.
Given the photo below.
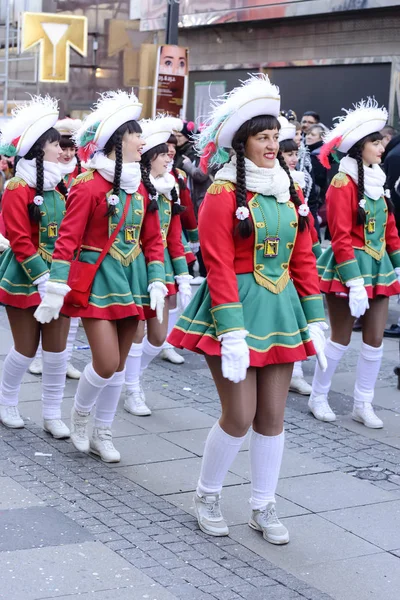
74, 527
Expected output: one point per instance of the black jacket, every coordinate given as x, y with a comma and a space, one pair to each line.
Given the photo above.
391, 166
186, 149
320, 174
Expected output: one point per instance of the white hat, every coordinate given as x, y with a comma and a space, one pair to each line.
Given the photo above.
256, 96
287, 130
366, 118
29, 121
157, 131
68, 126
112, 110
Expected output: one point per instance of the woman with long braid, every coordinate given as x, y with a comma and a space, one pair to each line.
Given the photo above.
70, 166
256, 313
32, 209
129, 282
361, 269
162, 185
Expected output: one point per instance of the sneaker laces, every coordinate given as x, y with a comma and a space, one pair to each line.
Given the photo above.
13, 411
212, 507
269, 513
105, 437
56, 422
80, 428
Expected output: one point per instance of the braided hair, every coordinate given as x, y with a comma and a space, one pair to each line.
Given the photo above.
151, 190
78, 163
145, 164
37, 152
115, 143
248, 129
181, 181
356, 153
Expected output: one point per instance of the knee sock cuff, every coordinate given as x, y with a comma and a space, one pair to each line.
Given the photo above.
371, 352
261, 439
149, 349
21, 358
93, 378
334, 350
118, 378
136, 350
54, 357
229, 439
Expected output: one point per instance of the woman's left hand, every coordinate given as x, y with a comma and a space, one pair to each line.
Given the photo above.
318, 339
185, 290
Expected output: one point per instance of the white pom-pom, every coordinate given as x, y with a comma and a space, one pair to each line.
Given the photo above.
303, 210
387, 193
362, 203
113, 200
38, 200
242, 213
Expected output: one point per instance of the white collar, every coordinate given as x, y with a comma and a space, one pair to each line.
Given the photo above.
130, 174
374, 177
26, 169
164, 184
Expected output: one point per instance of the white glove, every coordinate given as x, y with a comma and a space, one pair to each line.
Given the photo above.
157, 291
52, 303
235, 355
41, 284
318, 339
4, 243
358, 297
397, 271
194, 246
185, 290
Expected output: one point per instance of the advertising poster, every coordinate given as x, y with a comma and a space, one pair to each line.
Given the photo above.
171, 81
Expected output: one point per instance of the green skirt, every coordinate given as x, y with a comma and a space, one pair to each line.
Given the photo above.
118, 291
16, 289
379, 276
169, 274
278, 330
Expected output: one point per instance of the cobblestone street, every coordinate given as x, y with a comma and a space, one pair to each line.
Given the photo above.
73, 527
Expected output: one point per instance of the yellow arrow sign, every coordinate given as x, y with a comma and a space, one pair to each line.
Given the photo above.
56, 34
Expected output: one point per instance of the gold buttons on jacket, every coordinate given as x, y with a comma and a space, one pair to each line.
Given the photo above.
293, 224
259, 246
254, 204
290, 204
259, 267
290, 245
284, 265
260, 224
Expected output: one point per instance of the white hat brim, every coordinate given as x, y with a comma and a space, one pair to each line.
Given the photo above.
155, 139
109, 125
33, 132
265, 105
360, 131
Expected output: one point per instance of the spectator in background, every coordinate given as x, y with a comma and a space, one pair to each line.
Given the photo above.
184, 140
390, 140
297, 137
309, 119
314, 142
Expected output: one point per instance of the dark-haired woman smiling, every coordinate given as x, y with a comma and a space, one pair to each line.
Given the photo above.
130, 277
260, 309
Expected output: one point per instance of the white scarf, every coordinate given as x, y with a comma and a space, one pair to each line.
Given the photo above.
164, 184
26, 169
67, 168
130, 175
374, 177
299, 177
269, 182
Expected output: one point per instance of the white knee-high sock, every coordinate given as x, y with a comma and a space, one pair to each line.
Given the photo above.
219, 453
132, 367
107, 402
297, 370
39, 354
368, 365
53, 383
89, 388
73, 328
322, 380
173, 316
14, 368
266, 453
149, 353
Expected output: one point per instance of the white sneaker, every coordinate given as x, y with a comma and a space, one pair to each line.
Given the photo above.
300, 386
72, 372
79, 433
101, 444
265, 520
320, 408
171, 355
36, 366
135, 403
10, 417
365, 414
57, 428
209, 516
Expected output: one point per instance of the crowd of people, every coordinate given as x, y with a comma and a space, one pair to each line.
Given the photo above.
107, 220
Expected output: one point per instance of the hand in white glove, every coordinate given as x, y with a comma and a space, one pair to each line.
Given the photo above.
397, 271
358, 297
318, 339
194, 246
41, 284
235, 355
52, 303
185, 290
157, 291
4, 243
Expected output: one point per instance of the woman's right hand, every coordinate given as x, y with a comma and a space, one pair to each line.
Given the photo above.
235, 355
358, 297
52, 303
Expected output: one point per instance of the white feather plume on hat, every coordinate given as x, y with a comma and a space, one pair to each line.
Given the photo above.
29, 120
